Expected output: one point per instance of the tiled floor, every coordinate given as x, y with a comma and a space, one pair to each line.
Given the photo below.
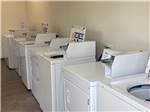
15, 97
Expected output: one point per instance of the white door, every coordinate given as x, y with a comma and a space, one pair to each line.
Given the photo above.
75, 98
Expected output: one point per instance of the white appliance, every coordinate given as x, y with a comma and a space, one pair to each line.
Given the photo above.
86, 88
47, 82
117, 63
41, 40
136, 88
30, 37
5, 47
33, 52
54, 46
16, 52
8, 51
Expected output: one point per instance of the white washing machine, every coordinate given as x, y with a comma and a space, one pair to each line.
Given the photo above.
47, 86
30, 36
16, 53
87, 88
33, 52
41, 40
136, 88
8, 48
39, 64
54, 46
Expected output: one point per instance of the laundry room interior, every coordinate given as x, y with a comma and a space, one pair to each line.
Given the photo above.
75, 55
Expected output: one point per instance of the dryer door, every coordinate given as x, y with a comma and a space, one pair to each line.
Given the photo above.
75, 98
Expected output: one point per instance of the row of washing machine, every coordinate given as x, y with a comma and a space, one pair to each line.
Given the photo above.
63, 75
40, 62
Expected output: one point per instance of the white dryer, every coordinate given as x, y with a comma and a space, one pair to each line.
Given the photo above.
41, 40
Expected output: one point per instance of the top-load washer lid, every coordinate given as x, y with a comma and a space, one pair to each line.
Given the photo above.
141, 91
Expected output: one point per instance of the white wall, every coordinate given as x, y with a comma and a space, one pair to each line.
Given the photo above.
124, 25
40, 12
13, 14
